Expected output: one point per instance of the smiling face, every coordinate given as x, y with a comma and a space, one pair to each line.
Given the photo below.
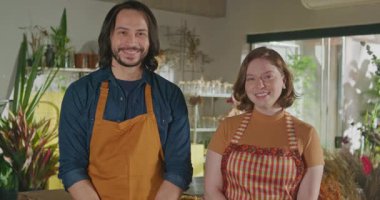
129, 39
263, 85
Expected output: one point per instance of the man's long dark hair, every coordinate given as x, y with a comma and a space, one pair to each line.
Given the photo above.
104, 40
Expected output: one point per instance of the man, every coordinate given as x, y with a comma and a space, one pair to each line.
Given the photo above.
124, 130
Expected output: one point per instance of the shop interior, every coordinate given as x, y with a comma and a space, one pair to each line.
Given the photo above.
332, 47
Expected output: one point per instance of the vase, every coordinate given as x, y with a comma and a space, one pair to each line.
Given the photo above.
49, 56
10, 191
8, 194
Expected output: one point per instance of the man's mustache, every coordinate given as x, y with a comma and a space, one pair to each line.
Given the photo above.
130, 48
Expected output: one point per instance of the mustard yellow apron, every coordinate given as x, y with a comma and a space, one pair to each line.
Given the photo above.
126, 158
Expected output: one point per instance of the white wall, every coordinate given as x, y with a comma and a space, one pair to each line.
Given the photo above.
222, 38
84, 21
261, 16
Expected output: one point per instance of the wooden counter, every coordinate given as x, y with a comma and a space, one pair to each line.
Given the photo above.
63, 195
44, 195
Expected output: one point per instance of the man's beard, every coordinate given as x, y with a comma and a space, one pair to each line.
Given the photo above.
122, 63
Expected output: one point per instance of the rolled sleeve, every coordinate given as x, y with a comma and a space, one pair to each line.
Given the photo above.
72, 140
178, 166
74, 176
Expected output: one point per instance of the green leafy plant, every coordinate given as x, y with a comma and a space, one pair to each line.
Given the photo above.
31, 150
6, 174
60, 41
23, 85
371, 135
370, 129
374, 91
374, 59
304, 70
8, 180
36, 38
27, 143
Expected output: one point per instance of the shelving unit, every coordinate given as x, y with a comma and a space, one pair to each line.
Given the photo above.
80, 71
196, 117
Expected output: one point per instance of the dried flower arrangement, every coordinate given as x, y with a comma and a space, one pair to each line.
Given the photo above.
349, 176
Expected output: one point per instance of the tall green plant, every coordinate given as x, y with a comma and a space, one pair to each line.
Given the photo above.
23, 99
24, 142
60, 40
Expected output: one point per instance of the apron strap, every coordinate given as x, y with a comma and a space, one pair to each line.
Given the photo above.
292, 139
148, 99
102, 101
240, 131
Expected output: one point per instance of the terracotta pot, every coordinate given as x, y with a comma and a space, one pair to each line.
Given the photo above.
81, 60
92, 60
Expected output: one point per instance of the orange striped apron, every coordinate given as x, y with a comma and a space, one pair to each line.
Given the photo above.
251, 172
126, 158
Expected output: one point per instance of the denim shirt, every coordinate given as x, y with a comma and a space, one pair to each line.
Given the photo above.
78, 114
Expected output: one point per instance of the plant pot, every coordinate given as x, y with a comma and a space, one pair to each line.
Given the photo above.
80, 60
92, 60
8, 194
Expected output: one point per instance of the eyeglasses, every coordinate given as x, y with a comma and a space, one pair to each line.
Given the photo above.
265, 78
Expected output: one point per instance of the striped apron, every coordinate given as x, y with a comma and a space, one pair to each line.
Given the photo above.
251, 172
126, 158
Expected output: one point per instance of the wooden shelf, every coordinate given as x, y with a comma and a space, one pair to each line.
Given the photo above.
221, 95
74, 70
77, 69
203, 129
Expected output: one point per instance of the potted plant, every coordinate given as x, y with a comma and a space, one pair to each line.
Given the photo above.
37, 38
60, 42
26, 143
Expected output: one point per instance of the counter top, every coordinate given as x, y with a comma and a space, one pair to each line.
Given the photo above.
63, 195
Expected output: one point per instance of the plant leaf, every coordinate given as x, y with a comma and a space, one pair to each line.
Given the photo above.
20, 76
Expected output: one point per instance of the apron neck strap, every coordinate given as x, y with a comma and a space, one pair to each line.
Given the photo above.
102, 100
292, 139
243, 125
148, 99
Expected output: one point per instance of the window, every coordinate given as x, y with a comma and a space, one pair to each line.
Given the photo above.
332, 71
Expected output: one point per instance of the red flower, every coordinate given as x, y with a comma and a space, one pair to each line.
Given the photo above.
367, 165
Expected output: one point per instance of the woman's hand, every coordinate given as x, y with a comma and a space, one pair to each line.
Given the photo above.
311, 183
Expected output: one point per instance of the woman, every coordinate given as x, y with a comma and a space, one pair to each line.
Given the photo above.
264, 153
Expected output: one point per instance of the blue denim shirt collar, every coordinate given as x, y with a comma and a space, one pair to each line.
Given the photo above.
108, 75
